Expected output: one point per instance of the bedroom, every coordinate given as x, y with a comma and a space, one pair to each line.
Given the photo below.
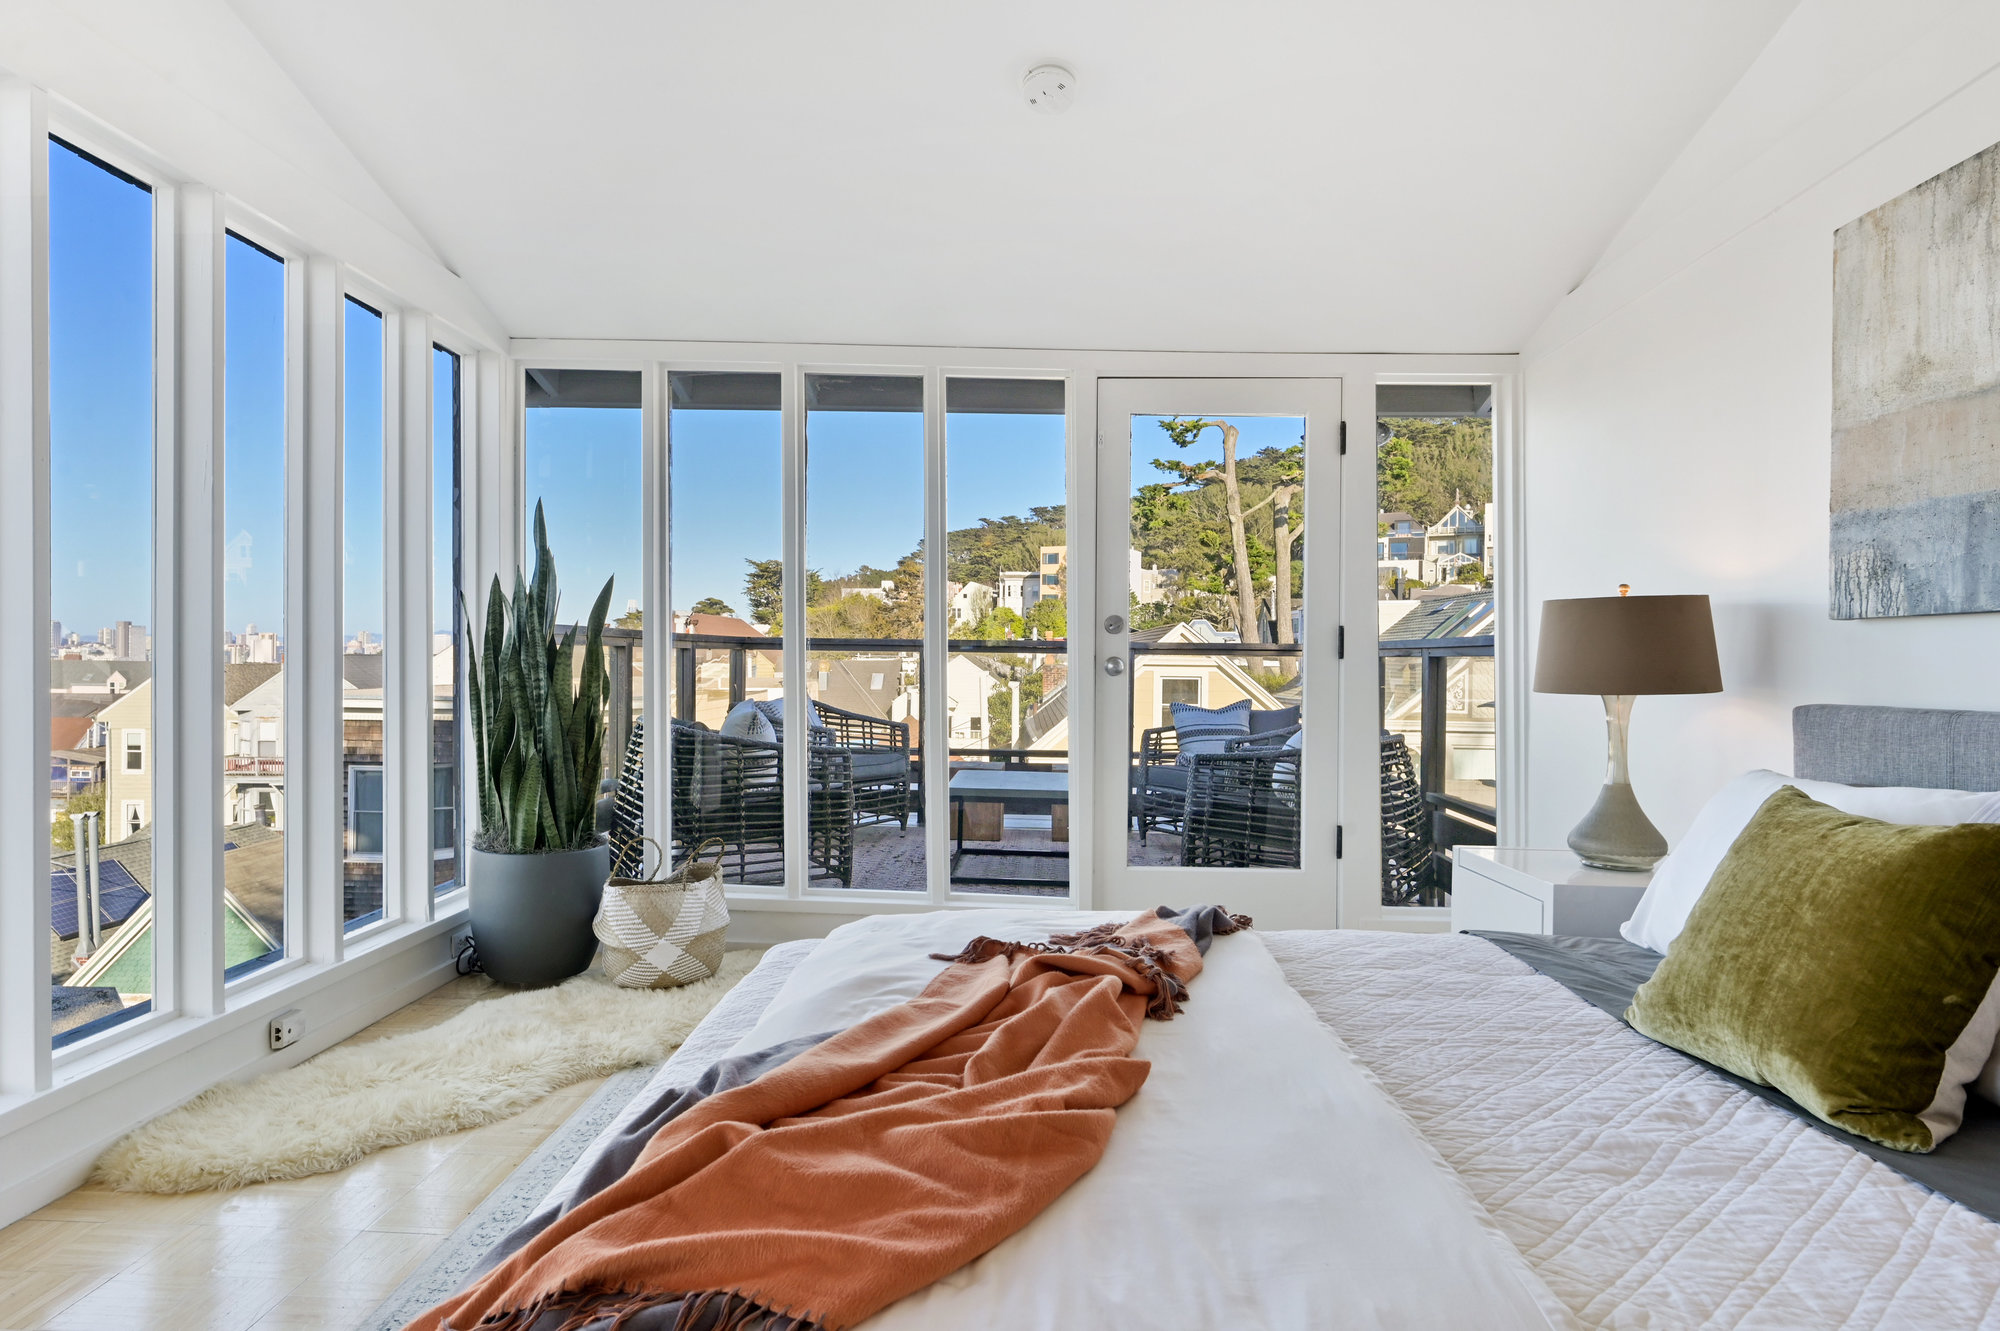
924, 330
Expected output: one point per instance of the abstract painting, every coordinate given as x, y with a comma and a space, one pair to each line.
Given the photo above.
1916, 401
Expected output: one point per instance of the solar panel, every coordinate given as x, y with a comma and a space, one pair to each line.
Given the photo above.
229, 845
62, 903
118, 895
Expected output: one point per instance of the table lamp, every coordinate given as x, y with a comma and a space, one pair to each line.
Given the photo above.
1620, 647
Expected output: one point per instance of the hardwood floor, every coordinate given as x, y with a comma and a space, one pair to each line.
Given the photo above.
316, 1253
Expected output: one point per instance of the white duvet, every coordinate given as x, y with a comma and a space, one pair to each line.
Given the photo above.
1260, 1178
1646, 1191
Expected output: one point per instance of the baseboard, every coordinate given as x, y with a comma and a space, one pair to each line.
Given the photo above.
64, 1130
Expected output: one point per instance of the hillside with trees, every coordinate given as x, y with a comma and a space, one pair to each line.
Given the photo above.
1427, 464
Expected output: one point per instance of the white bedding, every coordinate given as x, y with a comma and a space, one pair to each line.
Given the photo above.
1643, 1191
1647, 1192
1260, 1179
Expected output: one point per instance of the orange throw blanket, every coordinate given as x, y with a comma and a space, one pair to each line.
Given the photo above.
870, 1165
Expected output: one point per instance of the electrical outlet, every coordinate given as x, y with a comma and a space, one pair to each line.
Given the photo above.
285, 1028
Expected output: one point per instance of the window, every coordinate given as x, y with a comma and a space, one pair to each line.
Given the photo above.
444, 812
584, 467
1051, 557
101, 558
1175, 690
446, 629
364, 813
251, 656
864, 532
364, 622
1436, 662
727, 561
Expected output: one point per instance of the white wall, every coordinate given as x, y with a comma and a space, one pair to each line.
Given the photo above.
1679, 410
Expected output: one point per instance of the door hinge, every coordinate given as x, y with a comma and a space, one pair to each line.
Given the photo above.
1339, 840
1340, 646
1343, 438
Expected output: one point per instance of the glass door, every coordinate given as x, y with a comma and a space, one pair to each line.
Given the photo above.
1217, 645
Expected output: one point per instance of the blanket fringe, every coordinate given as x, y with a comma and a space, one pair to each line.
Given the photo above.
700, 1310
1145, 958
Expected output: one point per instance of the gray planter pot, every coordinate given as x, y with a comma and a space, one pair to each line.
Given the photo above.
531, 914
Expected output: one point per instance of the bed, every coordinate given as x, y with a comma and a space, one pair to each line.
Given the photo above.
1499, 1151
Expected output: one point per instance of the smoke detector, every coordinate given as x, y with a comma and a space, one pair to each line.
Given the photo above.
1049, 89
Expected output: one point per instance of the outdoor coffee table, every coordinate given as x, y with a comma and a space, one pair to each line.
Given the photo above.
1009, 790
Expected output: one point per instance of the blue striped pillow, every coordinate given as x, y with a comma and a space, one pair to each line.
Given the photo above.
1208, 729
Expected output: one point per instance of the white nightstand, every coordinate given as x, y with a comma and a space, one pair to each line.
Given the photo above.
1539, 892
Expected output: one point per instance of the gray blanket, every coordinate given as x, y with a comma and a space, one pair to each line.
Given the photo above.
1605, 972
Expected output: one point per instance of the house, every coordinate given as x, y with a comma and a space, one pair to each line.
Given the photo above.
1453, 543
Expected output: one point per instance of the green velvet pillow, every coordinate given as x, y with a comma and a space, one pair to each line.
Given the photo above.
1849, 963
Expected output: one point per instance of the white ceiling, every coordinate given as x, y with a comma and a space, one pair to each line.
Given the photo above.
1398, 175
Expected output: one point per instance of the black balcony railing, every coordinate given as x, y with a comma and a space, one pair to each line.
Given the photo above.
1461, 811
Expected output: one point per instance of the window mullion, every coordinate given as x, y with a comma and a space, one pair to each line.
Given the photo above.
796, 792
24, 593
406, 599
656, 639
935, 715
187, 700
313, 775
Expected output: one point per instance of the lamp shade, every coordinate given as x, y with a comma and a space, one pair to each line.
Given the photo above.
1627, 645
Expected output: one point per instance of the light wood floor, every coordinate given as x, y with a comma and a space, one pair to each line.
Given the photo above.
316, 1253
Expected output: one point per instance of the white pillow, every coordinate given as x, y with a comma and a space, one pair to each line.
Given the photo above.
747, 721
1681, 878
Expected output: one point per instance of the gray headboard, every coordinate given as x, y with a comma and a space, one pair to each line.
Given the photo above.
1897, 746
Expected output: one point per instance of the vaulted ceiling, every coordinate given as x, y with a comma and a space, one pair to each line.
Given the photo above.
1329, 175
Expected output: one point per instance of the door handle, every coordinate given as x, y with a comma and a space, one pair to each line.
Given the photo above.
1114, 666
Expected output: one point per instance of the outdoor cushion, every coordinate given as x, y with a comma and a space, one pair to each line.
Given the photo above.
1208, 729
747, 721
878, 765
1277, 718
1166, 778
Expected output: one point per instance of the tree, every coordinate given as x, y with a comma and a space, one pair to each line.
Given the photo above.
711, 605
62, 832
1049, 617
1428, 465
997, 625
764, 589
631, 619
1184, 432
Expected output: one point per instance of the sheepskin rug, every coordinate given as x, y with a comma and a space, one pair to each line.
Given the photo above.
492, 1060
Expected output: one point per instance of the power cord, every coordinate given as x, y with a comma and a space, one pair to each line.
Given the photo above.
468, 957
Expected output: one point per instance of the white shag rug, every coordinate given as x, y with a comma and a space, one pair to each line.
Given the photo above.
489, 1062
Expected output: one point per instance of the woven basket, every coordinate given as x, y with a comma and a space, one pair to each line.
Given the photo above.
658, 933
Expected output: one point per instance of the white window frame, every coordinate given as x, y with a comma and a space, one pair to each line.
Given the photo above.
127, 747
182, 750
348, 853
1160, 682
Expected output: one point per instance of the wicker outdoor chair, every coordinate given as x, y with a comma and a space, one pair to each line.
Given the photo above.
1407, 852
879, 751
731, 790
1159, 785
1242, 808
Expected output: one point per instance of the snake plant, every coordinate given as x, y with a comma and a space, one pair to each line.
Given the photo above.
538, 732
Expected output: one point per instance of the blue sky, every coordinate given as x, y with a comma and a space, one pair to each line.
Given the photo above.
864, 490
253, 476
444, 462
1253, 435
100, 395
361, 481
864, 469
